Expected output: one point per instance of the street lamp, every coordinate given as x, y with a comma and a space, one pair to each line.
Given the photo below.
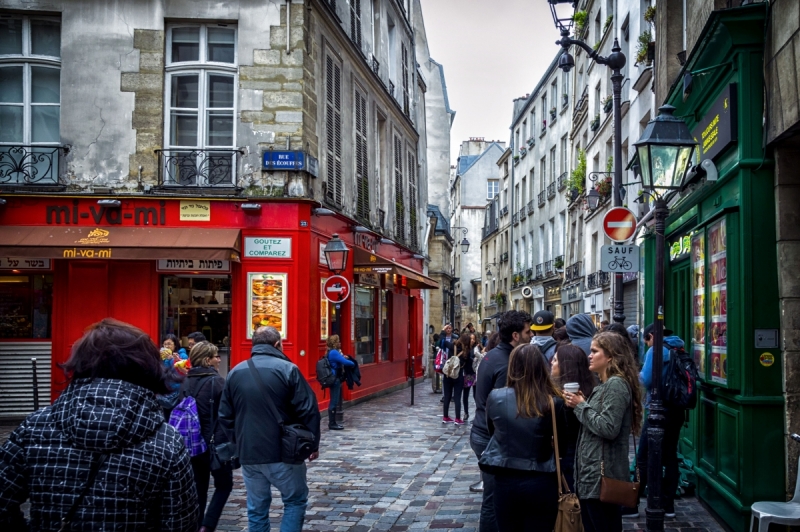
336, 253
464, 242
665, 153
593, 199
563, 12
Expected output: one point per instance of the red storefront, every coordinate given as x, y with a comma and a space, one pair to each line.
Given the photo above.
179, 265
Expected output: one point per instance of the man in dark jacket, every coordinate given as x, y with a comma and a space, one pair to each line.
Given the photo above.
247, 419
514, 328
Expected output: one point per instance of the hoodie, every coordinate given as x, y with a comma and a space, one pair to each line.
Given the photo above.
145, 484
581, 330
547, 345
646, 375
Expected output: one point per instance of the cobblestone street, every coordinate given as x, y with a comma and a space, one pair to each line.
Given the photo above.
396, 467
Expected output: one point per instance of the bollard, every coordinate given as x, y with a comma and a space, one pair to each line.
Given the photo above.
412, 380
35, 385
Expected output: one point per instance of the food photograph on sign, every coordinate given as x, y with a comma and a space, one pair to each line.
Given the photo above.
267, 294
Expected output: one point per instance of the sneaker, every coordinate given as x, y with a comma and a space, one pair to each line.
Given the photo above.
477, 487
670, 514
446, 419
458, 422
630, 513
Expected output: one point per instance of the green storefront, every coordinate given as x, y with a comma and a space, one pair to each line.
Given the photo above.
721, 293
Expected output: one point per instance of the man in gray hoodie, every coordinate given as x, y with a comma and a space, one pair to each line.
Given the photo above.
581, 330
543, 327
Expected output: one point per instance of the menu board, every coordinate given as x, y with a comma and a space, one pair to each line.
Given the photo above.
323, 311
267, 297
718, 335
699, 302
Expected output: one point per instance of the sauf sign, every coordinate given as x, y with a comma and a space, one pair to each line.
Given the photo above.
619, 258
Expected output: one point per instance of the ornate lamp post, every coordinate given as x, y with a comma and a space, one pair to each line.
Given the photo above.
336, 253
454, 279
665, 153
563, 12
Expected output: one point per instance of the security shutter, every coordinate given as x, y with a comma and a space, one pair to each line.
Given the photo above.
16, 377
361, 157
399, 203
355, 22
412, 200
333, 131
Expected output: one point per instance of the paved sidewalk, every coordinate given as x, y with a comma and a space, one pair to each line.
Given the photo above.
396, 467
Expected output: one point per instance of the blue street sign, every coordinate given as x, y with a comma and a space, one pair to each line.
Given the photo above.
283, 160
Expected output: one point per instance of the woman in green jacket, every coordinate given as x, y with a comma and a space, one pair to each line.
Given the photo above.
607, 417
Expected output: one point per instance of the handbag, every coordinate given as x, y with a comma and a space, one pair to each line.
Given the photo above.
469, 380
452, 367
297, 442
569, 507
620, 492
220, 453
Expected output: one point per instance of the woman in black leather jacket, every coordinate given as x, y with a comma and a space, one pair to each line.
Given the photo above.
520, 453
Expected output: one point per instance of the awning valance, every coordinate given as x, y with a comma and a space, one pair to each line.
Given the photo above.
366, 262
127, 243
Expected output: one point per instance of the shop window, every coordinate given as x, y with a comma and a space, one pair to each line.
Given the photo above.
200, 89
26, 303
30, 98
201, 304
365, 324
385, 329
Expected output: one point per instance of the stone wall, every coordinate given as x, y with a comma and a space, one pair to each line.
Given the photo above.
783, 81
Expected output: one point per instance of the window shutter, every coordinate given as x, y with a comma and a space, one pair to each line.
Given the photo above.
406, 109
361, 160
399, 203
412, 201
355, 22
333, 131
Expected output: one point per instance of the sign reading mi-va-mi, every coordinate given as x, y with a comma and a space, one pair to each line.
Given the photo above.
283, 160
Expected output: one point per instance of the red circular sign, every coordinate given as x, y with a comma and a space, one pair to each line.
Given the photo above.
336, 289
619, 224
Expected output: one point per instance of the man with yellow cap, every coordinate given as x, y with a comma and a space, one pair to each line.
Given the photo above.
543, 327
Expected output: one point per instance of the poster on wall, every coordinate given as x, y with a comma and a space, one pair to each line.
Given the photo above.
267, 295
718, 278
323, 311
699, 307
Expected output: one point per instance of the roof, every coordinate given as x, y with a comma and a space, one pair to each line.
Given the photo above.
536, 91
451, 112
442, 224
465, 162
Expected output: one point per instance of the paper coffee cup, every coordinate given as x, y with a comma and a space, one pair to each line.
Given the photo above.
572, 387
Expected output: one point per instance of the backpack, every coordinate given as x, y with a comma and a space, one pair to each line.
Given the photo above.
326, 377
452, 367
680, 380
186, 421
439, 361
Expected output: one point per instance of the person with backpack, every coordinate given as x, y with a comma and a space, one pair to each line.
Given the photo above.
205, 385
543, 326
338, 362
674, 417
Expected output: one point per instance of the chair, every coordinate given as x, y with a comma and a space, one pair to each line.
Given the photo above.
780, 513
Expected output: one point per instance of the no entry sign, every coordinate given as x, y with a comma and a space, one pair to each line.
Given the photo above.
336, 289
619, 224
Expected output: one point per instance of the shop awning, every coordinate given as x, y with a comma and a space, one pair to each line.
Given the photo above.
366, 262
126, 243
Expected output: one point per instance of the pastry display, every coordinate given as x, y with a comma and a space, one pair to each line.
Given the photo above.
267, 301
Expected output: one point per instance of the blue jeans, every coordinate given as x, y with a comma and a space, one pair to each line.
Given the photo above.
290, 480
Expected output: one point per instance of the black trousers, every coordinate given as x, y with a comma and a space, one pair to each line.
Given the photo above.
488, 523
223, 485
526, 503
452, 392
669, 457
465, 395
600, 516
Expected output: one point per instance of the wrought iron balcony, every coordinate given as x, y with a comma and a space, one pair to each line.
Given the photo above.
540, 271
515, 218
573, 271
523, 213
592, 281
197, 168
551, 190
376, 66
529, 275
562, 181
504, 211
604, 278
30, 165
391, 88
542, 198
548, 268
530, 207
504, 257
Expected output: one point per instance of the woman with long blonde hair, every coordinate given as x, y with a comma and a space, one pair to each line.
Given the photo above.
520, 453
608, 417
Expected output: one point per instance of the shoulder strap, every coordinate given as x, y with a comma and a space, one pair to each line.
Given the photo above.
96, 465
213, 413
562, 482
264, 391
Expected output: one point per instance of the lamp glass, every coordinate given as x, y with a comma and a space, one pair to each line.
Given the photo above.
593, 199
464, 245
336, 253
563, 12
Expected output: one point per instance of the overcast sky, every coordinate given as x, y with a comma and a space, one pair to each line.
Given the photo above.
492, 51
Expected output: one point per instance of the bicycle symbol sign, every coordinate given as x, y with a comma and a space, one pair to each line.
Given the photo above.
619, 258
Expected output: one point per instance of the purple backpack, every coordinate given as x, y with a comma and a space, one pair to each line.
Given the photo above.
186, 421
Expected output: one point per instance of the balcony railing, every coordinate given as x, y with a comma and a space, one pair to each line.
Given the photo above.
573, 271
562, 181
515, 218
30, 165
504, 211
529, 275
504, 257
551, 190
376, 66
542, 198
530, 207
523, 213
540, 271
391, 88
548, 268
197, 168
597, 279
604, 277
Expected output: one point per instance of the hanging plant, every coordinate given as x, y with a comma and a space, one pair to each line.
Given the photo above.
608, 103
604, 187
650, 15
642, 47
608, 22
610, 164
579, 18
577, 178
500, 298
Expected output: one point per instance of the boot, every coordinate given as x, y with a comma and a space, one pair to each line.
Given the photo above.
332, 424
